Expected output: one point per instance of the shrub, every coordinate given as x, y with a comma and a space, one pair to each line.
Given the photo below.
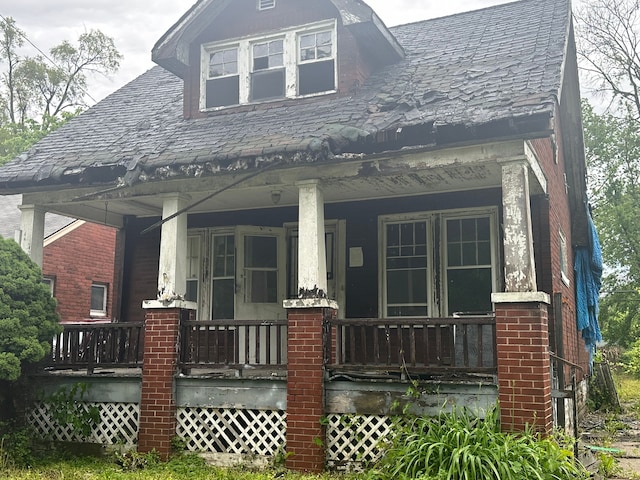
631, 359
459, 446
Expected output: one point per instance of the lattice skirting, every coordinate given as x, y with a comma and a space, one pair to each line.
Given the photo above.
229, 430
355, 440
118, 424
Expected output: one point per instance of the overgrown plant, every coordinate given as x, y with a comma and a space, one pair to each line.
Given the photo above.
460, 446
67, 407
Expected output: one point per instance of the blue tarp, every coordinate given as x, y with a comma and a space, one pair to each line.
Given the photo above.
588, 270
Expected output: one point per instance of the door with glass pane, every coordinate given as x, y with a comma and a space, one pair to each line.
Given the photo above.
260, 290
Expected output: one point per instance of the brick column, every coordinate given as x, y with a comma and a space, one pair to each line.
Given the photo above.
524, 369
159, 366
305, 384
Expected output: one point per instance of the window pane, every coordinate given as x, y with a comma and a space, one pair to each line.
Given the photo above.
407, 286
454, 256
98, 293
484, 253
469, 254
324, 52
262, 286
307, 41
192, 291
275, 46
276, 60
453, 230
307, 54
484, 228
223, 91
393, 235
267, 84
230, 56
260, 252
469, 229
323, 38
223, 299
469, 290
260, 50
261, 63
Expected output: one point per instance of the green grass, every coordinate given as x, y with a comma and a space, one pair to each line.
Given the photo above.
187, 467
628, 388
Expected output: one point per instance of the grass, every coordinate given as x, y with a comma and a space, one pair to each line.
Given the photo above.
186, 467
628, 390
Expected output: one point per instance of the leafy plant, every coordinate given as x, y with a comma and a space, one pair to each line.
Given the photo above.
460, 446
130, 459
16, 445
67, 407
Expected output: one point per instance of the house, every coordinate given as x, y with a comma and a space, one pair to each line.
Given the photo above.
317, 209
78, 262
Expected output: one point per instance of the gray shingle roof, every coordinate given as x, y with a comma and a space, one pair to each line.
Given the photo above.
468, 70
10, 218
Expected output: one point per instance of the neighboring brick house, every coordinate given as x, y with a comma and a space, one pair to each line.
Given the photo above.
78, 262
333, 207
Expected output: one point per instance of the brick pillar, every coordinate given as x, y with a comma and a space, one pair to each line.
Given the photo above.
524, 369
305, 388
159, 366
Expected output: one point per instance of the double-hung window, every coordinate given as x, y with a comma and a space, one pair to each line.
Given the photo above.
438, 264
295, 63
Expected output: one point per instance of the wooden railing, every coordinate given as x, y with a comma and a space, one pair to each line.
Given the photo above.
92, 345
429, 345
233, 343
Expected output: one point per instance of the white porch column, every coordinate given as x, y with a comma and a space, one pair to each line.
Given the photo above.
32, 231
312, 266
519, 265
172, 273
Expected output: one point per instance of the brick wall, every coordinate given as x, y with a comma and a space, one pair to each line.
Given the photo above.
157, 401
524, 376
77, 259
555, 216
305, 390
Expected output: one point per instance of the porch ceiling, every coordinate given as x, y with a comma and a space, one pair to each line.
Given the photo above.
345, 179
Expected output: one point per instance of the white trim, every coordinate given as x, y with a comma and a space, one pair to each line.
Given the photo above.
63, 231
102, 312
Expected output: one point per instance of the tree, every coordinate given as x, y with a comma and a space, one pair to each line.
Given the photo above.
609, 47
40, 88
28, 318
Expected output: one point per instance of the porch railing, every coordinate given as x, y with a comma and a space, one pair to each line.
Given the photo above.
429, 345
233, 344
92, 345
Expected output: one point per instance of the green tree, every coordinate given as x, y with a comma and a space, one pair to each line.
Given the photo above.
28, 318
612, 146
38, 94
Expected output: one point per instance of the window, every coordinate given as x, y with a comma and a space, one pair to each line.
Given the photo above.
469, 265
98, 300
294, 63
50, 282
316, 67
223, 81
223, 280
267, 73
266, 4
564, 258
193, 268
438, 264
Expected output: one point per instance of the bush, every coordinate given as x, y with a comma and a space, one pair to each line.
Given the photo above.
631, 359
459, 446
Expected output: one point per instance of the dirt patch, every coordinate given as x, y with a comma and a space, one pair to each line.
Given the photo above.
617, 436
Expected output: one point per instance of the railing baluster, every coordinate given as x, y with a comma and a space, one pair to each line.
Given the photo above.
412, 346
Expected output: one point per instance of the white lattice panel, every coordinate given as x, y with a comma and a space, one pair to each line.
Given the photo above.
118, 424
355, 439
228, 430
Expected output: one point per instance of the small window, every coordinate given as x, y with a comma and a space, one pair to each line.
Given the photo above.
193, 268
316, 66
223, 81
50, 283
98, 300
564, 259
268, 73
266, 4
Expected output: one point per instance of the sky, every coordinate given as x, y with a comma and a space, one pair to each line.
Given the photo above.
136, 25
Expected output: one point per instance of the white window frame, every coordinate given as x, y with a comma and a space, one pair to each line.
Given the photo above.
245, 64
437, 300
564, 258
103, 311
492, 213
50, 282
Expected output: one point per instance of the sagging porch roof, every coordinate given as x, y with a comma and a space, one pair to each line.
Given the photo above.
470, 78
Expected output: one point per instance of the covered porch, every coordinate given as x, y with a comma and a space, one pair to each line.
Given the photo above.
416, 265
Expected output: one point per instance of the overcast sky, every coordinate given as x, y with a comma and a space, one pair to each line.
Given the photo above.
136, 25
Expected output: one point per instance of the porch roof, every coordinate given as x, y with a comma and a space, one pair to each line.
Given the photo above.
473, 77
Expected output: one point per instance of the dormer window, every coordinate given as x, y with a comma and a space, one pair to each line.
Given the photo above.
297, 63
266, 4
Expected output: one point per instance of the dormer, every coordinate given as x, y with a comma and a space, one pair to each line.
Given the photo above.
232, 53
